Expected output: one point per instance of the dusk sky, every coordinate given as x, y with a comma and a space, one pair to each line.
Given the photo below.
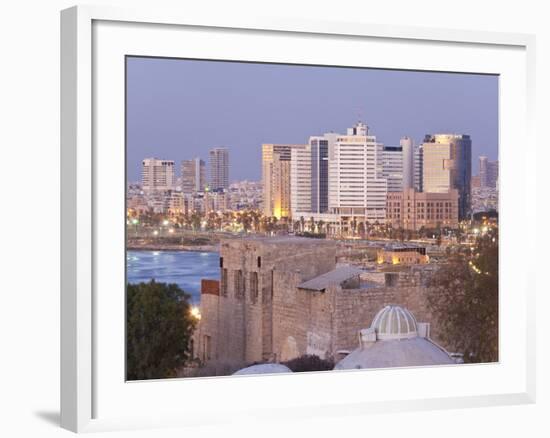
179, 109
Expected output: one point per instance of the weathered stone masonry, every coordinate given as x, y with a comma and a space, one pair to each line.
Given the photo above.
260, 313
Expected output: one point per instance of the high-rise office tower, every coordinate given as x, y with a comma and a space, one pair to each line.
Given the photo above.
483, 170
219, 169
276, 179
157, 175
193, 176
447, 164
488, 172
407, 148
319, 147
356, 185
418, 158
393, 167
492, 174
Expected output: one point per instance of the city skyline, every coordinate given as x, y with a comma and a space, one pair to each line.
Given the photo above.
220, 102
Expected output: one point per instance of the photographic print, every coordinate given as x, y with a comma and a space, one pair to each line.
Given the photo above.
287, 218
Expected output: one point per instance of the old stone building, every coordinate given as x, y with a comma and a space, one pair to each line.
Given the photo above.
398, 254
280, 298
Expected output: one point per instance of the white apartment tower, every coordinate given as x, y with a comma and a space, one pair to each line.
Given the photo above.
356, 185
157, 175
300, 180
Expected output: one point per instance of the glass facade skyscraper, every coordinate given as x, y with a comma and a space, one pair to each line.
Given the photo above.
319, 174
448, 165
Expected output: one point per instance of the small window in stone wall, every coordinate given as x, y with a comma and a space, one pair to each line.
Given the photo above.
224, 283
259, 262
391, 279
254, 287
239, 285
207, 352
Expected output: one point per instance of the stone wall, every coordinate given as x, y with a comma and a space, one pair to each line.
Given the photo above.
323, 323
264, 316
356, 308
242, 322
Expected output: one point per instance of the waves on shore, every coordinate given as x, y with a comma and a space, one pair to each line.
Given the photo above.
184, 267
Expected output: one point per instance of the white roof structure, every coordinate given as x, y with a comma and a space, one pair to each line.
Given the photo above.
394, 322
334, 277
264, 368
395, 339
396, 353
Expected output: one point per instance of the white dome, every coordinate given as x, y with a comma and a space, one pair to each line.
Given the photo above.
411, 352
394, 322
264, 368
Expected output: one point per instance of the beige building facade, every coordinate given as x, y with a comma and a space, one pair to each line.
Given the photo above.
412, 210
447, 165
276, 179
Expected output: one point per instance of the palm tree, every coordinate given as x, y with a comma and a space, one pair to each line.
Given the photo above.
256, 221
353, 225
196, 221
361, 229
320, 225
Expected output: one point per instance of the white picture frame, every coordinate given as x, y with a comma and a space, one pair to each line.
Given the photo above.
84, 371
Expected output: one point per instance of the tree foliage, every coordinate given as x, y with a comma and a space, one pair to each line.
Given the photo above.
463, 297
159, 326
309, 362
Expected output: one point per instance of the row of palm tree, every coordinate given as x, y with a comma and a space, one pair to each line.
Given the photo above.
253, 221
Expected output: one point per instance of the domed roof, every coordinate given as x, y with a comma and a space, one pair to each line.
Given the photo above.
264, 368
394, 322
396, 353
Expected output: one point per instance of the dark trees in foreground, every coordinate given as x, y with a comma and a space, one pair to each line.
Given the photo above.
463, 298
309, 362
159, 326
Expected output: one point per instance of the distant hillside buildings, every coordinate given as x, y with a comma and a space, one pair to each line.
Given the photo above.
485, 186
200, 188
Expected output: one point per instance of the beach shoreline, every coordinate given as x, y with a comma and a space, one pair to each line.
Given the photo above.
169, 247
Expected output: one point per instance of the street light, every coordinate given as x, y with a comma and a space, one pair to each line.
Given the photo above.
195, 312
135, 223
